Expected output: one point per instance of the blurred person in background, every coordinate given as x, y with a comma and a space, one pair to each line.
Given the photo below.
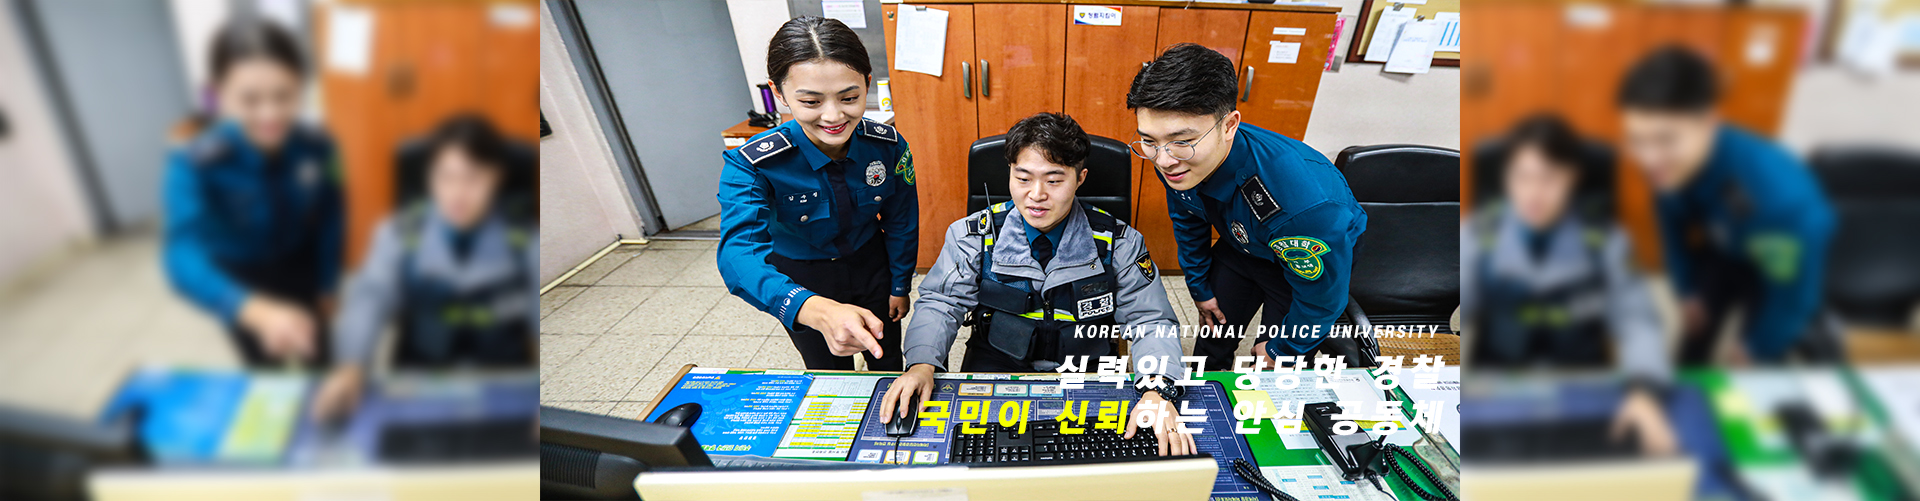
1546, 280
1742, 221
254, 217
455, 274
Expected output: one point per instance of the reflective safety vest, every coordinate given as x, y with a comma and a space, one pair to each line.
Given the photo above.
1031, 325
441, 326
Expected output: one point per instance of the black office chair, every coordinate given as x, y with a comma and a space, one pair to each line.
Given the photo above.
1109, 175
519, 196
1406, 270
1873, 277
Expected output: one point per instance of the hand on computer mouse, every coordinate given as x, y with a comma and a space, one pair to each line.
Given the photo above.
1641, 416
339, 393
917, 381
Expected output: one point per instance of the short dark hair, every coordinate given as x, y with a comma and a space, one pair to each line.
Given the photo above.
1186, 78
1671, 78
250, 38
1555, 139
1057, 136
813, 38
474, 135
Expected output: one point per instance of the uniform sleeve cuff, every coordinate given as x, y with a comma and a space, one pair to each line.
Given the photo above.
788, 308
227, 305
1200, 293
922, 355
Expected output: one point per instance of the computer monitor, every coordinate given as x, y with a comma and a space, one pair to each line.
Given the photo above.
591, 456
1184, 477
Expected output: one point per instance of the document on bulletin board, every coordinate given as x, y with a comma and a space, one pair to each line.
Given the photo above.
1413, 52
1385, 32
920, 40
1449, 32
851, 12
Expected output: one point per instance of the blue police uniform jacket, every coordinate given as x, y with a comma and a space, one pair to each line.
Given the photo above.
228, 204
1278, 200
775, 197
1754, 203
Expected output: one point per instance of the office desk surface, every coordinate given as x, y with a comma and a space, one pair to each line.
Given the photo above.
1266, 444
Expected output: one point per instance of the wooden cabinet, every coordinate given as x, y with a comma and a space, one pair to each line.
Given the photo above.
1021, 52
938, 117
427, 61
1026, 58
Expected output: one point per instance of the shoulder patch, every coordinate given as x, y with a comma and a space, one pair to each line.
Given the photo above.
1145, 263
879, 130
1302, 255
1259, 199
1001, 207
765, 147
904, 168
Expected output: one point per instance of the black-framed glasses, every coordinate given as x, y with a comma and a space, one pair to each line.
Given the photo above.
1179, 150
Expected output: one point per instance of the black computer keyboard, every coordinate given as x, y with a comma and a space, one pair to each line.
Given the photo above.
1043, 443
1563, 439
461, 441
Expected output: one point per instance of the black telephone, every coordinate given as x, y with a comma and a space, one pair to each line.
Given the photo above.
1344, 450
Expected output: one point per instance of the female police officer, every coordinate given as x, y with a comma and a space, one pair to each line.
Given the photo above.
253, 207
819, 216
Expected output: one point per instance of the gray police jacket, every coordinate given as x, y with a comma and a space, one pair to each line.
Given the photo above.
951, 288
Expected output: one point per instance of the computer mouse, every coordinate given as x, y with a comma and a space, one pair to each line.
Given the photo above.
908, 422
680, 415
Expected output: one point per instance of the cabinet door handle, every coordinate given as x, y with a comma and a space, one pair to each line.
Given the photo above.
1247, 91
986, 80
966, 80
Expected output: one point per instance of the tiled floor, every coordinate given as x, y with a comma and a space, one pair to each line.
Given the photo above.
68, 341
613, 334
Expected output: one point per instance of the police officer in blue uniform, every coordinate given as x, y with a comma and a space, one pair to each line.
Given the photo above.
253, 217
1742, 221
820, 218
1288, 222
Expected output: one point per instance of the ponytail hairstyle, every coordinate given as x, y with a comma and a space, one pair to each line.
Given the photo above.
811, 38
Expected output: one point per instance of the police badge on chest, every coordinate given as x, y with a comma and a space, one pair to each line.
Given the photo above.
876, 173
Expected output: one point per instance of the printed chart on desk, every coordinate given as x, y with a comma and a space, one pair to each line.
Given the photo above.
929, 445
772, 414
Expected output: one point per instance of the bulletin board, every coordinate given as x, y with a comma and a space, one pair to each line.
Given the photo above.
1370, 13
1907, 52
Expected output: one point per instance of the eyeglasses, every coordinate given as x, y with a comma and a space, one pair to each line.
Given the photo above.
1179, 150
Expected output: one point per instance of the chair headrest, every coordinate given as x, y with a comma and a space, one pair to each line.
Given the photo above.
1109, 183
1401, 173
1867, 172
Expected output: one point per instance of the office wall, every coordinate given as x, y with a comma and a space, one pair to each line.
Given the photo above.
1360, 105
1831, 105
584, 203
43, 207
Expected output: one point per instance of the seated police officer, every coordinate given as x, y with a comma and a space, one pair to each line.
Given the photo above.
1030, 283
456, 276
1546, 281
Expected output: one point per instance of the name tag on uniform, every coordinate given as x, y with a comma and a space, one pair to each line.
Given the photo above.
1258, 199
